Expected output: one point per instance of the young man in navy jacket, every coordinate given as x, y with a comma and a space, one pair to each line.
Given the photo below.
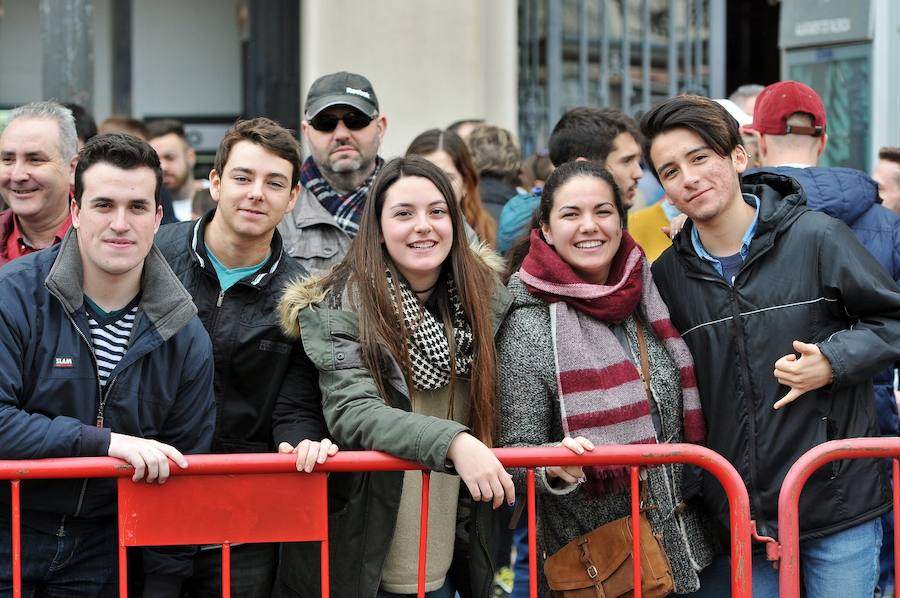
101, 353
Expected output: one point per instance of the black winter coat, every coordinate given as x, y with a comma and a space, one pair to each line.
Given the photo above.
806, 278
252, 356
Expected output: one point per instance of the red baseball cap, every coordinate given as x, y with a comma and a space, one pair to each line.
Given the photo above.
778, 101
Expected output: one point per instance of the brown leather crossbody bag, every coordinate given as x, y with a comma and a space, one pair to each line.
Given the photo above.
599, 564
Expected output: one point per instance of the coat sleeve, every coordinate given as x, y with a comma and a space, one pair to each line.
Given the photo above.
869, 297
32, 434
526, 392
357, 416
298, 410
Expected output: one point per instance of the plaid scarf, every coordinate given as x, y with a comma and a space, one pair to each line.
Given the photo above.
346, 209
601, 393
429, 349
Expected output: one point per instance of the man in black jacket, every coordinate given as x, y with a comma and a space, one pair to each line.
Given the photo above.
757, 281
232, 262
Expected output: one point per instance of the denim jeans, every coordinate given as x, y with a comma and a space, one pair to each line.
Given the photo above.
63, 565
252, 572
839, 565
521, 584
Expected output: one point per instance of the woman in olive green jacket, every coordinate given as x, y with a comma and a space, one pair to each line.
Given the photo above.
402, 333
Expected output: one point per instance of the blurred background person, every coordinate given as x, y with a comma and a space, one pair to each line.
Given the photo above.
887, 175
498, 160
449, 152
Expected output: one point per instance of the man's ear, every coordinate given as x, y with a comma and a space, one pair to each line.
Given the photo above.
381, 124
820, 147
740, 158
76, 214
215, 183
191, 157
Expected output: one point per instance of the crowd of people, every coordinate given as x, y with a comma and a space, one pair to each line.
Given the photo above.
440, 304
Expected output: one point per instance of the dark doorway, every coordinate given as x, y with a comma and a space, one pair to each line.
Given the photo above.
753, 55
271, 56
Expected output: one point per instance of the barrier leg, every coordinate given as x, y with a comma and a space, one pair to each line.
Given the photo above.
226, 570
636, 531
16, 541
423, 533
896, 482
532, 535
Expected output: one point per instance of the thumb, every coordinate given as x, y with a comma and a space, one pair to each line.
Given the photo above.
805, 348
285, 448
788, 398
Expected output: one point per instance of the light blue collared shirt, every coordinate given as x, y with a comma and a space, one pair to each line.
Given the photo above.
745, 242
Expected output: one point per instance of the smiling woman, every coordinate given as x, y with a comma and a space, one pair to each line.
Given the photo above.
412, 374
588, 357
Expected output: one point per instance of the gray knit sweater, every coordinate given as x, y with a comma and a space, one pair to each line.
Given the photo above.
530, 416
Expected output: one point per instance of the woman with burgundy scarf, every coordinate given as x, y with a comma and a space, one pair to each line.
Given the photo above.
569, 369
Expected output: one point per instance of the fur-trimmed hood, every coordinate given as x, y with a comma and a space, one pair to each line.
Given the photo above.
308, 291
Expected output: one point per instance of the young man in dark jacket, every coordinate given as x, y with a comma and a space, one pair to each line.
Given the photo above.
757, 281
101, 353
232, 263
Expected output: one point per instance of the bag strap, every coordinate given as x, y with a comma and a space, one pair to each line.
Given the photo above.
642, 348
645, 370
589, 568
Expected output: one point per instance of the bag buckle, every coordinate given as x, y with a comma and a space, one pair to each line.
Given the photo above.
592, 572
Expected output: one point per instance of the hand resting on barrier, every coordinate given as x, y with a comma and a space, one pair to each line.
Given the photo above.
148, 457
572, 474
310, 452
481, 471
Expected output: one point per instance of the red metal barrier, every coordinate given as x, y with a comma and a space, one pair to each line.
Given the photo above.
789, 498
265, 486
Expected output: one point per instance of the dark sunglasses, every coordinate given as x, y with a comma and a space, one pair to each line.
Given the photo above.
327, 122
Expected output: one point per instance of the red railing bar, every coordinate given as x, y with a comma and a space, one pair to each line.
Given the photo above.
16, 541
636, 531
532, 533
789, 497
423, 533
631, 455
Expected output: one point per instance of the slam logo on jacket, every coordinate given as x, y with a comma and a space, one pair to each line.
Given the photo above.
65, 363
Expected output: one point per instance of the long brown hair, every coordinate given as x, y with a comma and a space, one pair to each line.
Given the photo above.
364, 270
435, 140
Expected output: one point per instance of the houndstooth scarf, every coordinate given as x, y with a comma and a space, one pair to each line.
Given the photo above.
346, 208
429, 350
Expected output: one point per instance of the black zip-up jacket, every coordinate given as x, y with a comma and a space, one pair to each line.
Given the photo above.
252, 356
806, 278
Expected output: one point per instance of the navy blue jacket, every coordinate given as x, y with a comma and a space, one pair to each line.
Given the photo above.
852, 197
50, 396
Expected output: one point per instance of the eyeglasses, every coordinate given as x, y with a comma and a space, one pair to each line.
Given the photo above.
326, 122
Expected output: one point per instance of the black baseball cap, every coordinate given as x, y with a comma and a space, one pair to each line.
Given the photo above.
341, 89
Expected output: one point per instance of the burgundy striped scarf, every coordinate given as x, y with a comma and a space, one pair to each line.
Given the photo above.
601, 393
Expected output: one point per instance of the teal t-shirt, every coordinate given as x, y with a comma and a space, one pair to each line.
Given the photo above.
228, 277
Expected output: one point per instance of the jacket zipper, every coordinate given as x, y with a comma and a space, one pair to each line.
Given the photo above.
221, 297
101, 405
751, 409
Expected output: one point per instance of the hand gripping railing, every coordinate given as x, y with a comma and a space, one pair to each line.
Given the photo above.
789, 498
198, 504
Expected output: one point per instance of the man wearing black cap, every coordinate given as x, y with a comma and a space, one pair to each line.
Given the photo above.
343, 129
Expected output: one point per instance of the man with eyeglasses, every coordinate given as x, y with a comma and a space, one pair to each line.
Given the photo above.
343, 131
